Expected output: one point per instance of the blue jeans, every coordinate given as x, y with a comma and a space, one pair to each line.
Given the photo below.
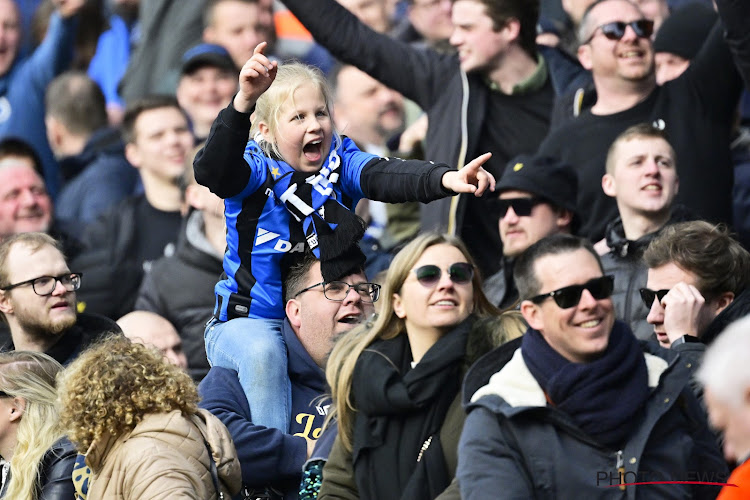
255, 348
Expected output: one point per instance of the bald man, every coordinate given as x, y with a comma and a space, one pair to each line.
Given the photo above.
150, 329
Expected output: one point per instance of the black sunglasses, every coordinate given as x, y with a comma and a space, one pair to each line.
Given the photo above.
648, 296
522, 207
569, 296
460, 273
615, 30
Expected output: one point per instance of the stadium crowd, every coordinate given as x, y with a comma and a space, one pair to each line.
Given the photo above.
342, 249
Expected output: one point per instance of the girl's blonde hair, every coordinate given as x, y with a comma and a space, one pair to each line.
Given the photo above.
289, 78
113, 384
31, 376
343, 358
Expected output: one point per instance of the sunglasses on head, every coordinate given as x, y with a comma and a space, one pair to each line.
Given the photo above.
648, 296
460, 273
569, 296
522, 207
643, 28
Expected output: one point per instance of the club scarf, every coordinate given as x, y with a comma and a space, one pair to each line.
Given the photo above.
604, 396
331, 230
396, 447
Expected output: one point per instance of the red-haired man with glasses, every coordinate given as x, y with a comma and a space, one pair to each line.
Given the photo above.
38, 300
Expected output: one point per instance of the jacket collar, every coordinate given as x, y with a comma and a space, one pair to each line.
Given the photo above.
302, 368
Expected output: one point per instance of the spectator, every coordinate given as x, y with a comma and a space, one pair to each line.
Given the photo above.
40, 315
112, 54
372, 13
725, 376
680, 39
495, 90
96, 175
427, 23
237, 25
317, 314
180, 287
150, 329
136, 419
37, 460
370, 114
642, 177
537, 199
579, 385
396, 383
23, 81
207, 83
698, 279
626, 93
293, 137
167, 28
122, 244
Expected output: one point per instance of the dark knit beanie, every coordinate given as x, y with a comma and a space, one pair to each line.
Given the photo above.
541, 176
685, 30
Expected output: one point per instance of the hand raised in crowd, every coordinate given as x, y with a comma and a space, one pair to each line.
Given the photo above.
256, 76
472, 178
682, 308
68, 8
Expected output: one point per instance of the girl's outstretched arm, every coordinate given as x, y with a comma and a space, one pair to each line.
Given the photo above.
470, 179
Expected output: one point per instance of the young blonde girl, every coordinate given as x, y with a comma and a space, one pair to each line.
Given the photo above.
31, 440
291, 189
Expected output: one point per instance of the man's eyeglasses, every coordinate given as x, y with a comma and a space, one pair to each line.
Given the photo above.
522, 207
569, 296
45, 285
615, 30
460, 273
338, 290
648, 296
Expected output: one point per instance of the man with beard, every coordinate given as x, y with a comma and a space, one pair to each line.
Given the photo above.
38, 299
316, 314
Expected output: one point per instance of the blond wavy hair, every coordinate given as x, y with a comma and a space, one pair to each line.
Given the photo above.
346, 352
31, 376
113, 384
289, 77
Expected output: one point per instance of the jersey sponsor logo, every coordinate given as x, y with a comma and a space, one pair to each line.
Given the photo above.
265, 236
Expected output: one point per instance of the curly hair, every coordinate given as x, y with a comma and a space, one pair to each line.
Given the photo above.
113, 384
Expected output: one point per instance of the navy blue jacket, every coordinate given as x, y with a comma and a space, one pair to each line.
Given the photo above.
270, 457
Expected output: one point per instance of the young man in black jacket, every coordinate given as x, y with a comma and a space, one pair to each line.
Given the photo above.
494, 94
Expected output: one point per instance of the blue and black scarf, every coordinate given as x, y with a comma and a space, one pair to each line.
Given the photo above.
332, 231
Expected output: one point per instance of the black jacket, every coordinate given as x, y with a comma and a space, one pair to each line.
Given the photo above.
55, 473
625, 262
181, 289
456, 104
705, 95
89, 328
515, 445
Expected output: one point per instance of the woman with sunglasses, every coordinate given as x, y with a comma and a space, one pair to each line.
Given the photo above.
396, 381
37, 459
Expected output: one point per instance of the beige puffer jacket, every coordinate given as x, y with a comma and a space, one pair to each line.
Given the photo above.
164, 457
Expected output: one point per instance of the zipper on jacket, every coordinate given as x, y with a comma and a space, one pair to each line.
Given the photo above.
621, 469
424, 447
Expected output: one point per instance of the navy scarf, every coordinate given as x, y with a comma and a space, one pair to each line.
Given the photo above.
604, 396
332, 231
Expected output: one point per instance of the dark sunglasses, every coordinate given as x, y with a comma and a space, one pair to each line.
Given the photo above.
522, 207
460, 273
615, 30
648, 296
569, 296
